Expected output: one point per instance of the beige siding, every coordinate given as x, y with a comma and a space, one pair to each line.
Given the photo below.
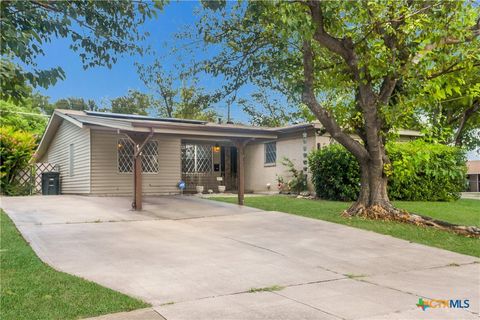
258, 175
106, 179
59, 153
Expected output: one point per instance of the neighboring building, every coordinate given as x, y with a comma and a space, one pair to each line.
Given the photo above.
473, 175
95, 153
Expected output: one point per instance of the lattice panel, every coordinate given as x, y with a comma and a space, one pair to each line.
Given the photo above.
31, 177
150, 157
188, 158
203, 158
125, 155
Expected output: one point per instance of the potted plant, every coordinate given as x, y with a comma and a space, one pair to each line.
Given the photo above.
199, 189
221, 187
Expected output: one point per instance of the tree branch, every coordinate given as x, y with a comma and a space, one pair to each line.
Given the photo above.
332, 127
342, 47
466, 115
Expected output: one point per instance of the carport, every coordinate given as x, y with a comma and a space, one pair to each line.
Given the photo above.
141, 139
238, 135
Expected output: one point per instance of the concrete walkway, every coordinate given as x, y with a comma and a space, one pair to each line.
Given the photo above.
198, 259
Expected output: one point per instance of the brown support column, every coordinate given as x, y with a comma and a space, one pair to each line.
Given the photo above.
227, 169
241, 171
139, 141
137, 182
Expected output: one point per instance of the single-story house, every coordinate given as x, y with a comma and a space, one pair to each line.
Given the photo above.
473, 175
101, 153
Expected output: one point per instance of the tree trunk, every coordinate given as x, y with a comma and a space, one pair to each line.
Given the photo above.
373, 201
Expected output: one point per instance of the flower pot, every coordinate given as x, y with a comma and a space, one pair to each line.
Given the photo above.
221, 189
199, 189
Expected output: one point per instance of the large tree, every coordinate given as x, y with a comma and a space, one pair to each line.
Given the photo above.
178, 96
343, 59
99, 31
134, 102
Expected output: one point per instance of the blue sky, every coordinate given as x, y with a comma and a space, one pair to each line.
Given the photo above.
101, 83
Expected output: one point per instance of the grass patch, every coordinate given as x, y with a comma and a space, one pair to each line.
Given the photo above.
30, 289
464, 211
267, 289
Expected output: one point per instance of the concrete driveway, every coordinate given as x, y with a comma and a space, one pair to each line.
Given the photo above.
198, 259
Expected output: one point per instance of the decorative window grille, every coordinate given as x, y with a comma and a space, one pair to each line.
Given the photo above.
150, 157
270, 153
196, 158
126, 151
125, 155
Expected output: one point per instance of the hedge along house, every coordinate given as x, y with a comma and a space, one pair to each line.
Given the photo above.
116, 154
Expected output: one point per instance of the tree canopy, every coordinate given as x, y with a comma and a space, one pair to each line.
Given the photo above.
99, 31
178, 96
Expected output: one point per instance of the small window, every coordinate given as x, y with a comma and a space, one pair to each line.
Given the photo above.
125, 155
71, 160
270, 153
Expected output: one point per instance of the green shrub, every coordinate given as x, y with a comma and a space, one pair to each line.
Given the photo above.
16, 150
298, 181
425, 171
335, 173
419, 171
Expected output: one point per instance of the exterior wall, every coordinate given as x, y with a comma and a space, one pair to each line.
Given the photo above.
106, 180
258, 175
59, 153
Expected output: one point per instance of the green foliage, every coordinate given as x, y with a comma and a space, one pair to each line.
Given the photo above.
195, 104
298, 180
134, 102
422, 171
419, 171
173, 100
71, 103
267, 111
98, 31
335, 173
23, 115
261, 42
16, 150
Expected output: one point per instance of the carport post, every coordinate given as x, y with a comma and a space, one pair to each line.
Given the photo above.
139, 144
241, 170
137, 182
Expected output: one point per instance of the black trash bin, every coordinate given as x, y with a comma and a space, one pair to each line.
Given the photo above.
50, 183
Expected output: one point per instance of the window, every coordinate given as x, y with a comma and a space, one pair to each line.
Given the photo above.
196, 158
71, 160
125, 153
270, 153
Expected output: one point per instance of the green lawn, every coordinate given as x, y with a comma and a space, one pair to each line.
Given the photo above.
465, 212
30, 289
